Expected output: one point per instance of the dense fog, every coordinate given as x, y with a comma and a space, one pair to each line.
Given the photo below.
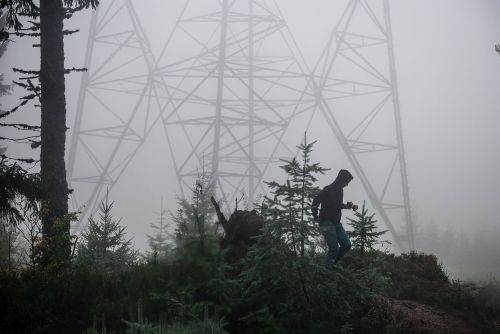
448, 82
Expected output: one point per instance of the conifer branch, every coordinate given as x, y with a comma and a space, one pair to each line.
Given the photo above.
21, 126
25, 160
70, 32
27, 34
74, 69
18, 70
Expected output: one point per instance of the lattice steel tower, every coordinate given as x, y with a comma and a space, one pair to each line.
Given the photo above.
226, 87
113, 112
233, 91
357, 92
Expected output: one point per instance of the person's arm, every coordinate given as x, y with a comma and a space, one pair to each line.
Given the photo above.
315, 204
337, 199
348, 205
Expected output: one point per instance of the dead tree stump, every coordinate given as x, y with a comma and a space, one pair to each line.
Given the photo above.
240, 232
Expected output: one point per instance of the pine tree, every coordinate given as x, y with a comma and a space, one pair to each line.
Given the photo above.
51, 93
289, 291
158, 242
195, 217
30, 231
364, 234
288, 209
104, 246
19, 191
196, 253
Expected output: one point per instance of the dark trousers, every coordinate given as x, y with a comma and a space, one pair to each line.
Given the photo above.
335, 235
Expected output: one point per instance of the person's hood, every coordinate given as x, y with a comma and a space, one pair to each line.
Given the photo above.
343, 176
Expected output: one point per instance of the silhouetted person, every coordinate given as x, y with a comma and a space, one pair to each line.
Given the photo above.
331, 201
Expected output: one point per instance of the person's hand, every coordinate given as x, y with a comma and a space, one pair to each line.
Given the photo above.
349, 205
355, 207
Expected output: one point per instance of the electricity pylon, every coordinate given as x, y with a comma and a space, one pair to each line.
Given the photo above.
226, 85
112, 118
235, 81
356, 82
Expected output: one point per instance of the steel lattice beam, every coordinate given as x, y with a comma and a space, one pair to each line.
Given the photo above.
233, 93
110, 124
226, 86
357, 93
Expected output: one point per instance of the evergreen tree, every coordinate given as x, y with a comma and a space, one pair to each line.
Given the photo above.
19, 191
364, 234
290, 228
158, 242
30, 232
283, 289
196, 250
104, 246
195, 217
288, 208
51, 93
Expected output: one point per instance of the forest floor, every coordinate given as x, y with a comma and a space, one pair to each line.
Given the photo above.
426, 319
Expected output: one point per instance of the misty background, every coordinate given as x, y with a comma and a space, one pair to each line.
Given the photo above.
449, 85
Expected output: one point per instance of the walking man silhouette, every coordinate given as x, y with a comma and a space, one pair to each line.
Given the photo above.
330, 198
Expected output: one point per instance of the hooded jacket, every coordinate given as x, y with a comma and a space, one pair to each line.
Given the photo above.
331, 199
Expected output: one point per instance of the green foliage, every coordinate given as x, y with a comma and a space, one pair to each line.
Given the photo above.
196, 251
286, 293
30, 232
364, 234
158, 242
284, 289
52, 128
104, 246
51, 252
415, 276
195, 217
278, 288
9, 256
44, 302
197, 263
19, 191
288, 208
16, 8
420, 277
277, 292
192, 327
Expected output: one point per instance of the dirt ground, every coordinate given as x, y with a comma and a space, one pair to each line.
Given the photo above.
426, 319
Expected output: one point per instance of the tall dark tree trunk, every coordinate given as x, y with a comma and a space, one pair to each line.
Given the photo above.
53, 134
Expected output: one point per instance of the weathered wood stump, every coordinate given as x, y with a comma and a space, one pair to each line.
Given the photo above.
240, 232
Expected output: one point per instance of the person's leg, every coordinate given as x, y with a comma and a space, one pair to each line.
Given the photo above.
343, 240
330, 234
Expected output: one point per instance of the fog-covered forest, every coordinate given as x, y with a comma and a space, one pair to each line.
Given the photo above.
249, 167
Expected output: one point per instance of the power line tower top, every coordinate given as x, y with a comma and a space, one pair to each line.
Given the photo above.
232, 91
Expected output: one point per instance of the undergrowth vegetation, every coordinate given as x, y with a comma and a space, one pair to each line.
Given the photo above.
270, 291
275, 284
